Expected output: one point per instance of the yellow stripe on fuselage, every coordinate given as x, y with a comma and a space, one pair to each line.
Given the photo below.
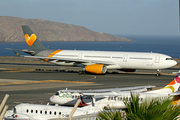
52, 54
170, 87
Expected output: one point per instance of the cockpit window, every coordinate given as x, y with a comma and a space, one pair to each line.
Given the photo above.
169, 58
57, 93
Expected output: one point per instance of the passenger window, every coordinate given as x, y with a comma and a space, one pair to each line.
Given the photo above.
108, 98
59, 113
27, 110
54, 113
50, 112
141, 99
31, 111
41, 111
36, 111
121, 98
45, 112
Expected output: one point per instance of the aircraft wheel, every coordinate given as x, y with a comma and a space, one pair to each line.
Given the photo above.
81, 73
158, 74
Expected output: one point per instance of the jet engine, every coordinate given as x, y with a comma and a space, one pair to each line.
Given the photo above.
96, 68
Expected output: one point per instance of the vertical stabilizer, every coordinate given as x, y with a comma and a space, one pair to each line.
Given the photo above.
32, 41
175, 84
172, 87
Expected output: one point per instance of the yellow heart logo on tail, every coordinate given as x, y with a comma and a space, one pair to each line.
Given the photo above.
30, 40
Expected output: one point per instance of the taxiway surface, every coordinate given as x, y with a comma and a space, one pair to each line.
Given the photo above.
30, 86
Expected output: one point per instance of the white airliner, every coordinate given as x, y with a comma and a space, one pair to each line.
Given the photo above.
114, 97
70, 97
45, 112
25, 111
97, 62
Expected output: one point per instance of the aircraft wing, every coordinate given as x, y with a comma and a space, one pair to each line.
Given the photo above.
103, 96
137, 88
73, 60
110, 91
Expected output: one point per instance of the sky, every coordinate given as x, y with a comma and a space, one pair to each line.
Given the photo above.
117, 17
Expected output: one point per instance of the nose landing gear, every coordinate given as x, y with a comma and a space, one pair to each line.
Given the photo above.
158, 73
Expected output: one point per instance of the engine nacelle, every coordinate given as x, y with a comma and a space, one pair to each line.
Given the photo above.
128, 70
96, 68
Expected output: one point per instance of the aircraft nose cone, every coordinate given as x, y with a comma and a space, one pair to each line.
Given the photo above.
174, 63
51, 98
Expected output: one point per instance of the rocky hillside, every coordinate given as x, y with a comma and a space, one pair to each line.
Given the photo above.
10, 31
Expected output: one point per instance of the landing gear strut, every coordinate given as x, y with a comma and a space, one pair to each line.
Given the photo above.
82, 73
158, 73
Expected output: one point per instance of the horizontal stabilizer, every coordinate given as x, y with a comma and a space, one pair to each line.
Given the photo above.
24, 50
175, 93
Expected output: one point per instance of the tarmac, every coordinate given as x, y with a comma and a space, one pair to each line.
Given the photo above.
36, 82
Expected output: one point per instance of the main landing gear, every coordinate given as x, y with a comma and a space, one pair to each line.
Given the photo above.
158, 73
82, 72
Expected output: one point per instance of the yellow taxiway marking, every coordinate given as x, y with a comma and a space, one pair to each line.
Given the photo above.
43, 81
15, 71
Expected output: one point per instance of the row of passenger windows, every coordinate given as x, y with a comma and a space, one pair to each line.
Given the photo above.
41, 112
129, 98
84, 97
140, 58
68, 55
122, 98
98, 56
111, 57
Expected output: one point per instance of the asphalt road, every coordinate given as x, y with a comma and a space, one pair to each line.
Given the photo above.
30, 86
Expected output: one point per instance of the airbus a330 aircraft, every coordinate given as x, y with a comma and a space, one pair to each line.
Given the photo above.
45, 112
97, 62
114, 97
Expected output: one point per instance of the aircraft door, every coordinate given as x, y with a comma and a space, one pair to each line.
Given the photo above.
157, 59
80, 56
125, 58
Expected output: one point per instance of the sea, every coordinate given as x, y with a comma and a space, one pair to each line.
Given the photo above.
169, 45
